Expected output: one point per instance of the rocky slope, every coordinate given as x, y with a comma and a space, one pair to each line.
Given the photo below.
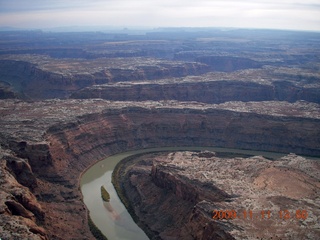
57, 139
248, 85
42, 77
175, 196
19, 208
45, 146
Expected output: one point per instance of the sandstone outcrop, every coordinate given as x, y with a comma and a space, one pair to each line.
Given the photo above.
209, 88
53, 141
180, 192
46, 145
19, 208
42, 77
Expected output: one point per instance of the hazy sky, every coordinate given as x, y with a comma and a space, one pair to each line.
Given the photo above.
277, 14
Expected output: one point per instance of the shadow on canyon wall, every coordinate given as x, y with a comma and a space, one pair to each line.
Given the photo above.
46, 145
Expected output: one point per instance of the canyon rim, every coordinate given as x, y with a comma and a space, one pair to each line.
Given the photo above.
69, 100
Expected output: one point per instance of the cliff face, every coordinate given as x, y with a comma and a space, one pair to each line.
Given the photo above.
19, 208
136, 128
46, 145
58, 139
164, 204
165, 177
207, 92
34, 78
271, 84
196, 184
228, 64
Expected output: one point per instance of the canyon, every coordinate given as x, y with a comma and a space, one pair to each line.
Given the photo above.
199, 185
72, 134
60, 77
210, 88
64, 107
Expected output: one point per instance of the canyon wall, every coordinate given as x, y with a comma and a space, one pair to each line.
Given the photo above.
46, 145
71, 135
166, 205
134, 128
76, 146
228, 63
218, 91
175, 194
20, 211
30, 80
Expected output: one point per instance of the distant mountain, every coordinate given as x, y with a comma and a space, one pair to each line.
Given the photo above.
6, 28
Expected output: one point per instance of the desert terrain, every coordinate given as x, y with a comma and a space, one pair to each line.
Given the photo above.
68, 100
185, 194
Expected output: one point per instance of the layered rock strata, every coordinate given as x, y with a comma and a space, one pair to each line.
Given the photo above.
216, 91
228, 63
270, 84
270, 199
20, 211
42, 77
56, 140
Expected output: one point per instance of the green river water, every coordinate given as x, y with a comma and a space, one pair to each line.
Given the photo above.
112, 219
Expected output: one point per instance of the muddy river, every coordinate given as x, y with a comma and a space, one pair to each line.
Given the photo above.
113, 219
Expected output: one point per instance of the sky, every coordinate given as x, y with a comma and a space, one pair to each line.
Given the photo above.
267, 14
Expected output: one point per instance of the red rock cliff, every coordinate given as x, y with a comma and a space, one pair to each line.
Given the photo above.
71, 135
32, 76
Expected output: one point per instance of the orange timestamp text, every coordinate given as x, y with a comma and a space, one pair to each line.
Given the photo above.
256, 215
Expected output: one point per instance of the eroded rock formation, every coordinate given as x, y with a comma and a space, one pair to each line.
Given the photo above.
180, 192
46, 145
42, 77
20, 210
57, 139
209, 88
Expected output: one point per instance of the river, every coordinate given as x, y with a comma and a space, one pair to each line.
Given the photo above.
112, 219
